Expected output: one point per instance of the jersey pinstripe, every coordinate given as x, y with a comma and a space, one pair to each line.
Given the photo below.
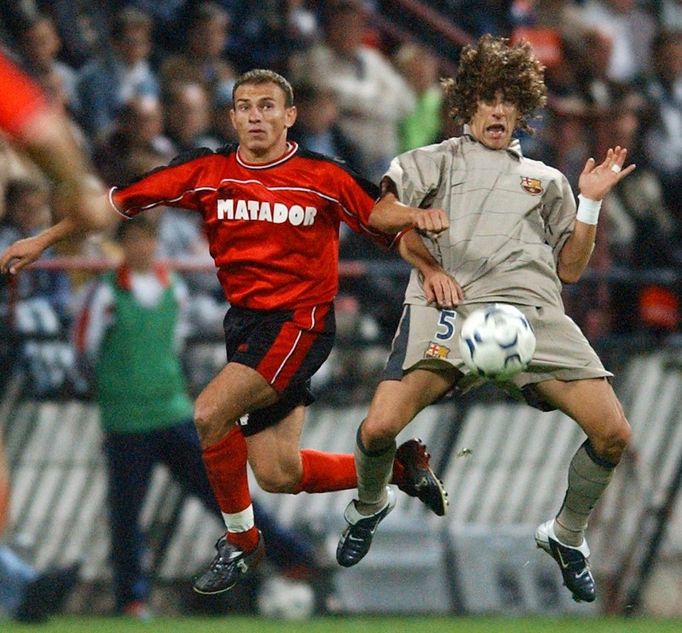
509, 218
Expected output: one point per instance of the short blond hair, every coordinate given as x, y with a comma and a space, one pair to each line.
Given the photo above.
263, 76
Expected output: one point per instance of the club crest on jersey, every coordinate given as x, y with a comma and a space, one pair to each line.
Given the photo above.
263, 211
434, 350
531, 185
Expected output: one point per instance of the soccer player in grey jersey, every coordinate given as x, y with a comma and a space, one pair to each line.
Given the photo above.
512, 234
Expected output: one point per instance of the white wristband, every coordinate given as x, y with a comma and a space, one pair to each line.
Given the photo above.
588, 210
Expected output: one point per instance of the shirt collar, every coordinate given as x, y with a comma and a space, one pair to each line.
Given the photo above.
292, 148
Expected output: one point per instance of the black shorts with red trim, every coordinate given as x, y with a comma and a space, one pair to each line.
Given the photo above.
286, 347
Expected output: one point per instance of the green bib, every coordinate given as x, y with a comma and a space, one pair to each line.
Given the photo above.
140, 383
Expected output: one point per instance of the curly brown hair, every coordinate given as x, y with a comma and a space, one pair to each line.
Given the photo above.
493, 64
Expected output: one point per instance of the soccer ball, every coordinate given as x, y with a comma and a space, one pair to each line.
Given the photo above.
496, 341
284, 599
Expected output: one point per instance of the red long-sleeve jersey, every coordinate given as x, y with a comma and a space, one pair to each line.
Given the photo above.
273, 229
20, 98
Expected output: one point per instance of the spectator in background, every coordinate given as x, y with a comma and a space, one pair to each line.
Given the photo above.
316, 126
42, 296
596, 87
37, 303
131, 332
187, 115
566, 19
83, 26
419, 67
267, 32
119, 74
663, 134
643, 233
371, 95
631, 30
14, 166
138, 128
221, 124
39, 46
201, 60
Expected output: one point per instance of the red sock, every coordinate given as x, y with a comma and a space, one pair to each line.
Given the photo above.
326, 472
226, 469
245, 541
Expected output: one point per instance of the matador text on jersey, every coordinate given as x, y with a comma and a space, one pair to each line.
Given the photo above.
273, 229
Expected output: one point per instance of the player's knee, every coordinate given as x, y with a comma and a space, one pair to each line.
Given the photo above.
610, 443
203, 419
376, 434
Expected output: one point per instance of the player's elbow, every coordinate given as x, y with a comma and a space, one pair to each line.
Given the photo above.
569, 277
377, 221
96, 213
570, 273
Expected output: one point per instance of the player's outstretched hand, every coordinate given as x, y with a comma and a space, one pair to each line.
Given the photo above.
597, 180
431, 222
20, 254
442, 289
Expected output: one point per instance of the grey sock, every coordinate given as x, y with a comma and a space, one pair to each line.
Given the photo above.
374, 470
588, 477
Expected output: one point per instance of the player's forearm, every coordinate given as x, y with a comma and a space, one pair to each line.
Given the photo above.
576, 253
415, 253
390, 215
65, 228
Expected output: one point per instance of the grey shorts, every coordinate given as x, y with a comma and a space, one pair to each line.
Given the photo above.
427, 338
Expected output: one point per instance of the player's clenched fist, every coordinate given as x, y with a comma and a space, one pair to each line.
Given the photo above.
430, 221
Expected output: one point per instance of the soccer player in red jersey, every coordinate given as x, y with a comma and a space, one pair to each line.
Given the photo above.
271, 211
27, 118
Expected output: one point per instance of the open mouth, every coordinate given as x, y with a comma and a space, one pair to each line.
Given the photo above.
497, 130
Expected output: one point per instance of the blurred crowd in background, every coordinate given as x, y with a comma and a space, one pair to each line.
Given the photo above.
143, 81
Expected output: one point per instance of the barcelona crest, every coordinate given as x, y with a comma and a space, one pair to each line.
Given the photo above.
531, 185
436, 351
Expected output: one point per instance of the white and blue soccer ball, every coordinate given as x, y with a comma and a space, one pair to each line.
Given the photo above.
284, 599
496, 341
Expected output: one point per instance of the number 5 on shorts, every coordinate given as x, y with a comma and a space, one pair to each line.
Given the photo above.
446, 325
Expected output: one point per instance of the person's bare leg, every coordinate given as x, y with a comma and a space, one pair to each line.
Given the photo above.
393, 407
595, 407
235, 391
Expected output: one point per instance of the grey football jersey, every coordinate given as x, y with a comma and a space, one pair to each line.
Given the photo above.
509, 218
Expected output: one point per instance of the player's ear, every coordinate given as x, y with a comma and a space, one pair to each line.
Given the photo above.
290, 116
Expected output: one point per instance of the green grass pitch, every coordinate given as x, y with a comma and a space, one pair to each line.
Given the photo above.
377, 624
